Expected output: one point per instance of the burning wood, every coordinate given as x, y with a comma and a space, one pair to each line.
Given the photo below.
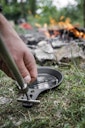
63, 28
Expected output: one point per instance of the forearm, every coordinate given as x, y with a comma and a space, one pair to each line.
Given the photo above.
7, 33
5, 26
19, 51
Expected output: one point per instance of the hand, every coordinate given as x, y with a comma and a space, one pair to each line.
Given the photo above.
24, 60
19, 51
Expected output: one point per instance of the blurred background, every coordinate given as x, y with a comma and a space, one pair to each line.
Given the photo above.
40, 12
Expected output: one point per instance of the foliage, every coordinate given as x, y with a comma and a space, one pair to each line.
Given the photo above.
29, 9
75, 13
48, 13
14, 10
32, 5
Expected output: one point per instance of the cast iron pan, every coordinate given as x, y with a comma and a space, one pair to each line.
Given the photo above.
48, 78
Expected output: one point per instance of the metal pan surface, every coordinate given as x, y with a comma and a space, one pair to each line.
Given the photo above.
48, 78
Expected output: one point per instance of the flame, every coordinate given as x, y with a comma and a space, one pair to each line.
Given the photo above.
63, 23
66, 25
52, 22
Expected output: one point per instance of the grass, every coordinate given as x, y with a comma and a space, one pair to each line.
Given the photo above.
62, 107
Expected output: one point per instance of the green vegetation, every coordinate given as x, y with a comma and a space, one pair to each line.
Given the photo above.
28, 10
62, 107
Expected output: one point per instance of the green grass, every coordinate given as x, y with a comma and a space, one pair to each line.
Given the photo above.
62, 107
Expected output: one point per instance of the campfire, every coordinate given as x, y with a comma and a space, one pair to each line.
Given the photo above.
64, 29
56, 42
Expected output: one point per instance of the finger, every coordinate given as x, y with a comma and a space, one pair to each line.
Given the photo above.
33, 73
24, 72
31, 66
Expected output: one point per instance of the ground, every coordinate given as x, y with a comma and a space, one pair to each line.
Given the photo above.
62, 107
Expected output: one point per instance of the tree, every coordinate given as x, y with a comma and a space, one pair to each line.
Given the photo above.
14, 10
48, 10
32, 6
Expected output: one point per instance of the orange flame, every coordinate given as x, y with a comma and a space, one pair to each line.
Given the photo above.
67, 25
62, 24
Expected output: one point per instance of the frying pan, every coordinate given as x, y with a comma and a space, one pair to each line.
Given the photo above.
48, 78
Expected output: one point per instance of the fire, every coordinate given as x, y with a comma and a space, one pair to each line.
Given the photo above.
52, 30
52, 22
67, 26
77, 33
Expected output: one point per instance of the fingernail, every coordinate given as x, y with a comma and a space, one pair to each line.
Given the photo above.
27, 79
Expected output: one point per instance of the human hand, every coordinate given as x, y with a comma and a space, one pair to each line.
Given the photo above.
19, 51
24, 61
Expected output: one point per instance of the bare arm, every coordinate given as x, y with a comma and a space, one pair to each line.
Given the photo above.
20, 52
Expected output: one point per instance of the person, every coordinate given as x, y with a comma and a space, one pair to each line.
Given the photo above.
20, 52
